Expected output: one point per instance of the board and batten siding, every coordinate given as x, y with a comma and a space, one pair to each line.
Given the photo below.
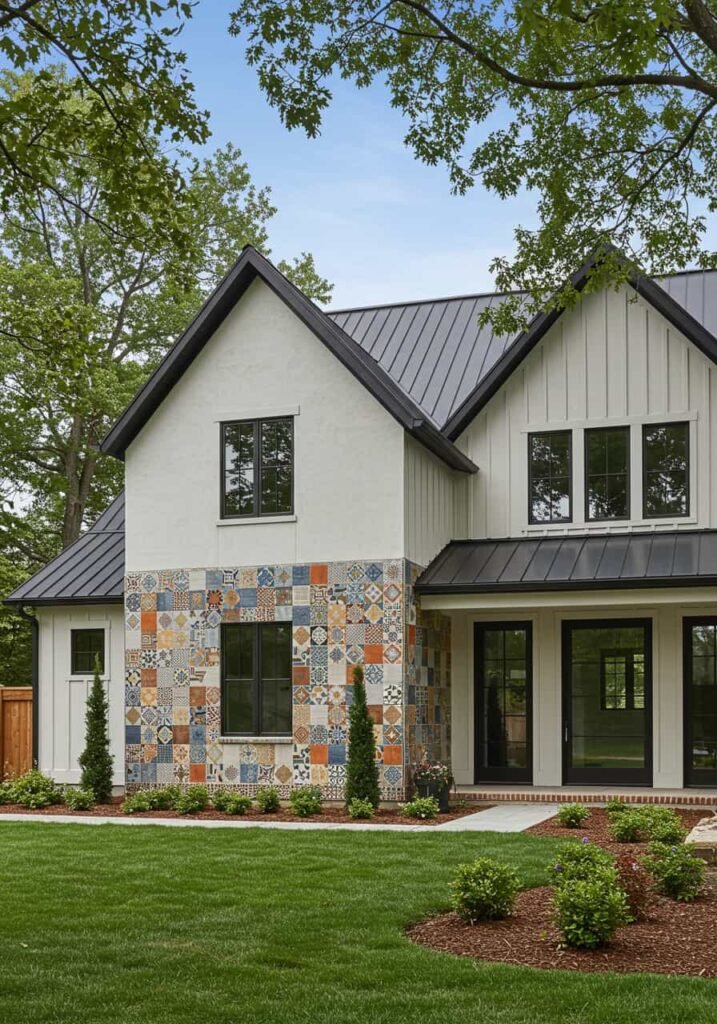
612, 360
434, 504
63, 697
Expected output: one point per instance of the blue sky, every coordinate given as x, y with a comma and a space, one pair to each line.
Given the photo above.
382, 226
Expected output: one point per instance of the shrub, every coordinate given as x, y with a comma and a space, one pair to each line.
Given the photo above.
572, 815
361, 766
636, 883
660, 824
138, 802
35, 790
7, 793
423, 807
231, 803
79, 799
192, 800
361, 809
678, 873
96, 760
588, 911
579, 862
305, 801
268, 800
163, 799
615, 807
484, 890
628, 826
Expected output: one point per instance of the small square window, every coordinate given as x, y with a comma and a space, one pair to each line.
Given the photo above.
85, 646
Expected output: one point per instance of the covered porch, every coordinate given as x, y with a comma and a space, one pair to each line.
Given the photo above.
581, 689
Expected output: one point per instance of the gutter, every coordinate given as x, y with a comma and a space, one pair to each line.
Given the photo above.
35, 679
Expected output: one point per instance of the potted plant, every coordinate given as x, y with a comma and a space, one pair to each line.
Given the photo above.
433, 778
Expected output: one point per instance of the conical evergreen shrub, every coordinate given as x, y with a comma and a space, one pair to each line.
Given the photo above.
96, 760
361, 768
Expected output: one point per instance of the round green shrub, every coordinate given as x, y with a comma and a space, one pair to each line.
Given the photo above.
423, 807
484, 890
663, 825
137, 803
677, 872
572, 815
578, 861
361, 809
231, 803
79, 799
35, 790
589, 911
306, 801
192, 800
268, 800
628, 827
616, 807
7, 793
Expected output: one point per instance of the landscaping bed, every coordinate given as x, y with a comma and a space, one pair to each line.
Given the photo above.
596, 827
677, 938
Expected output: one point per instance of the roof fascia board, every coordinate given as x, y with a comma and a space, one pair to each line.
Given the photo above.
638, 583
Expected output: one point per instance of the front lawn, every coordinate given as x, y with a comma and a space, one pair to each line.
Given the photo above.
186, 926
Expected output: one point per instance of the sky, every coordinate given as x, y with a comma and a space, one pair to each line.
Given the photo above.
382, 226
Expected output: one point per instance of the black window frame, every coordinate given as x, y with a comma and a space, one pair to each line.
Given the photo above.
688, 457
74, 634
255, 628
257, 424
629, 657
569, 517
589, 432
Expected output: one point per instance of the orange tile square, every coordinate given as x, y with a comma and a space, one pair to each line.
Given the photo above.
180, 733
148, 676
148, 622
373, 654
393, 755
197, 773
197, 696
319, 575
376, 713
319, 753
301, 675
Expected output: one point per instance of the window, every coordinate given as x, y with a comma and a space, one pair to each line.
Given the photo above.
665, 467
257, 468
622, 683
85, 646
549, 486
256, 679
607, 473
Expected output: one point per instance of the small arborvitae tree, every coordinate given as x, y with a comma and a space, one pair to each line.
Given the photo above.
361, 770
96, 760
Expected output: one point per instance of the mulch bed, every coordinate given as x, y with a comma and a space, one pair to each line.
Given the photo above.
331, 815
677, 938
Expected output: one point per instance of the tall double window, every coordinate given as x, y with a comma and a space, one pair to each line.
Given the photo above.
257, 468
256, 678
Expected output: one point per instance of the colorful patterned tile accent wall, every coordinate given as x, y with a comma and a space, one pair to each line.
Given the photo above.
342, 614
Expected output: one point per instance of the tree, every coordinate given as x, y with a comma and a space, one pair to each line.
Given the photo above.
361, 768
96, 760
135, 88
606, 111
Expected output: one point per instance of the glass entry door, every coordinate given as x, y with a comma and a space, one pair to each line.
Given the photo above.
700, 689
503, 714
607, 706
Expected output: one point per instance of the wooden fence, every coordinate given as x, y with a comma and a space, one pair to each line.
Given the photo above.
15, 730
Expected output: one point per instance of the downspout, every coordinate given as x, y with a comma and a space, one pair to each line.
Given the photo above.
35, 680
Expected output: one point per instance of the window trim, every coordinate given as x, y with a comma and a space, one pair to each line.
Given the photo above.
550, 522
255, 731
256, 512
628, 472
629, 657
87, 629
688, 470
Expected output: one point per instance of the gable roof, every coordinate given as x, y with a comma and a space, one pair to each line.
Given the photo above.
90, 571
250, 265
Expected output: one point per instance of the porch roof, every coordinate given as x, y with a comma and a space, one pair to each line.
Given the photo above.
675, 558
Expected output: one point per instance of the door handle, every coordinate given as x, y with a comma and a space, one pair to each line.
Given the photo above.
566, 734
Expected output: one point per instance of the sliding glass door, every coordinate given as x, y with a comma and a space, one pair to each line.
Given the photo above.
700, 690
503, 713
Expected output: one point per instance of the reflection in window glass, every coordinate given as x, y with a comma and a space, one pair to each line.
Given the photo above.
550, 456
665, 455
607, 475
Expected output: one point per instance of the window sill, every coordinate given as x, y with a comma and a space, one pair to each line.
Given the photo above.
611, 526
256, 520
255, 739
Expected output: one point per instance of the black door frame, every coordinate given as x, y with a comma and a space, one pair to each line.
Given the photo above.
692, 776
499, 776
602, 776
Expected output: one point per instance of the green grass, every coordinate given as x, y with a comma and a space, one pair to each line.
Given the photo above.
153, 925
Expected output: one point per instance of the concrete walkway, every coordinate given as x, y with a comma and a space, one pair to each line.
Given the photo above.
501, 818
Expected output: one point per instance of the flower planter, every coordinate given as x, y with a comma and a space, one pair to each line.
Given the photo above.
439, 790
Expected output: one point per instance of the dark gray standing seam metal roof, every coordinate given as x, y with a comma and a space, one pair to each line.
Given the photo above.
90, 571
670, 559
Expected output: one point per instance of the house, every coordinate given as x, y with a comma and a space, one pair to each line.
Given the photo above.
517, 539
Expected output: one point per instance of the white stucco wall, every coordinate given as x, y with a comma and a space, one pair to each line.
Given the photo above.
62, 696
613, 360
348, 453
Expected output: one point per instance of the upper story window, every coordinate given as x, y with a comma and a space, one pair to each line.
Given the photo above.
550, 472
85, 646
256, 679
665, 470
607, 473
258, 468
